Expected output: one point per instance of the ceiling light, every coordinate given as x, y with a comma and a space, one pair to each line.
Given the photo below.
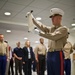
7, 13
73, 24
8, 31
36, 41
38, 18
25, 38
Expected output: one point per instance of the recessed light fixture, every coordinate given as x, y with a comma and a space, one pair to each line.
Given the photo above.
73, 24
7, 13
38, 18
25, 38
36, 41
8, 31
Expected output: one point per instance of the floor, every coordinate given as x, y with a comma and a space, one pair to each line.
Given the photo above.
34, 73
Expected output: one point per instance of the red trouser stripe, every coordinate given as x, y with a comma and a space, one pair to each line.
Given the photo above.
61, 63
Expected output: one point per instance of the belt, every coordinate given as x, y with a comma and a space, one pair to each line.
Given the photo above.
67, 59
54, 50
41, 54
2, 54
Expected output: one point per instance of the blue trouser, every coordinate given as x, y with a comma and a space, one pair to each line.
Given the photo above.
55, 63
67, 67
2, 65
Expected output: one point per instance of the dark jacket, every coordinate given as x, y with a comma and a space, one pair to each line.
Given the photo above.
25, 54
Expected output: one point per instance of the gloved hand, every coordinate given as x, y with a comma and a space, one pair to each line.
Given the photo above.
31, 25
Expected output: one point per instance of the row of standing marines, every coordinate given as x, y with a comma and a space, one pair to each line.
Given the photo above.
56, 58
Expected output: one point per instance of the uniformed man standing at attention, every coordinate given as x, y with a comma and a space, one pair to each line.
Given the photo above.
40, 55
57, 37
4, 55
67, 62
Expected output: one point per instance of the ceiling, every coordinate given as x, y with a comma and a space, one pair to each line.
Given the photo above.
17, 22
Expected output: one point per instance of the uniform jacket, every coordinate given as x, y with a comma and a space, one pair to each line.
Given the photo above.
57, 36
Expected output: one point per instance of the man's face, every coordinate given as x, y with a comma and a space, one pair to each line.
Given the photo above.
18, 44
42, 40
1, 37
56, 20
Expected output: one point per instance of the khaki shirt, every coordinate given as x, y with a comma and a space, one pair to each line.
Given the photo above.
57, 38
67, 50
40, 49
3, 48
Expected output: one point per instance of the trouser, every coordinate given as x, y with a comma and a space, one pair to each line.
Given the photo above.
27, 67
41, 65
18, 67
34, 65
2, 65
11, 67
67, 68
7, 67
55, 63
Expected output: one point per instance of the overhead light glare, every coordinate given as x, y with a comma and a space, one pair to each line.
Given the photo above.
36, 41
8, 31
7, 13
25, 38
73, 24
38, 18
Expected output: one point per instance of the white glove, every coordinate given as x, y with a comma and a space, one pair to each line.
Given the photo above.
31, 26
